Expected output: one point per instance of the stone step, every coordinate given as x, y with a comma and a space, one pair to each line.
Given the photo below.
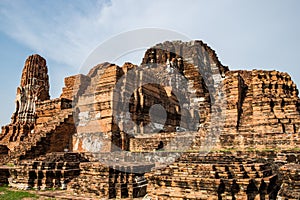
44, 132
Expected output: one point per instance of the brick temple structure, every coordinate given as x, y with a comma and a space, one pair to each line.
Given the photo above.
178, 126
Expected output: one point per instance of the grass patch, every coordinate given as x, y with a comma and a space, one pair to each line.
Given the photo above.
252, 149
10, 165
267, 150
295, 149
225, 150
6, 194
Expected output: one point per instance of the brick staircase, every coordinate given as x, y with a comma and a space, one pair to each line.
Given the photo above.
214, 177
40, 135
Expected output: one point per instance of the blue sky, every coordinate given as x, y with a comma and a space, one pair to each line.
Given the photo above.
256, 34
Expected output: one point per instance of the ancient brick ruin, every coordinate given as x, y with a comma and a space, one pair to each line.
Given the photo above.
179, 126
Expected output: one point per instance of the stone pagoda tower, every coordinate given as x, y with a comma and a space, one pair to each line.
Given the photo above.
34, 87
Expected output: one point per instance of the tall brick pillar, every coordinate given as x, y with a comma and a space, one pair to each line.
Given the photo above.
34, 87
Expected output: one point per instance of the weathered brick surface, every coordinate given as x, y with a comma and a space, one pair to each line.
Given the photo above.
75, 86
54, 171
290, 188
34, 87
54, 136
115, 181
262, 110
215, 176
93, 111
248, 119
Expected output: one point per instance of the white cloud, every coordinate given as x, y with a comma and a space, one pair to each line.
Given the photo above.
63, 33
68, 33
240, 31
